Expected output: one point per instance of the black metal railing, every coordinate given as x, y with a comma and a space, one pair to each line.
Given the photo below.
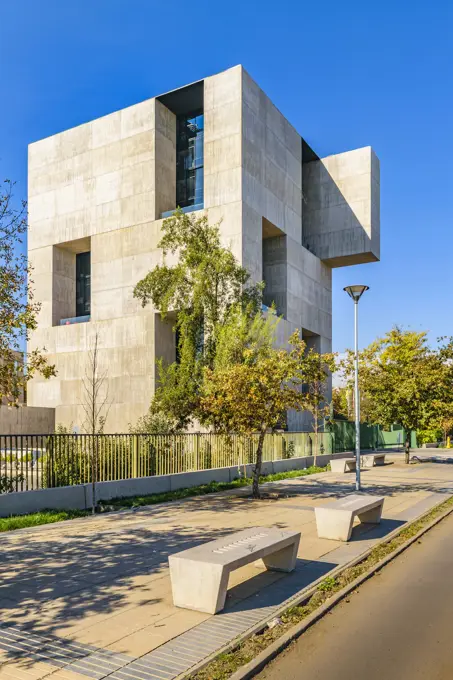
29, 462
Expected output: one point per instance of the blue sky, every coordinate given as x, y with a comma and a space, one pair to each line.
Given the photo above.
345, 74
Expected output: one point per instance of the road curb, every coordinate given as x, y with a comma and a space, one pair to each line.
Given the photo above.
263, 658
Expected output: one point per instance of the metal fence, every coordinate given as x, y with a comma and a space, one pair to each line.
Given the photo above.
29, 462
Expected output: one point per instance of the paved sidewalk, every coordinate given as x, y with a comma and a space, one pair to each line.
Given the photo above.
92, 597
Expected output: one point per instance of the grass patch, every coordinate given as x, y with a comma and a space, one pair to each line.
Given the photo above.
52, 516
37, 518
203, 489
226, 664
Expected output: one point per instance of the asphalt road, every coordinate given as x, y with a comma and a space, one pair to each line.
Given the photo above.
397, 626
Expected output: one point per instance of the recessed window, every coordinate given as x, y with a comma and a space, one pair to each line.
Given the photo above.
83, 284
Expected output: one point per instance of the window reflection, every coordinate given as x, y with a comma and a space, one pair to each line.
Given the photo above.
189, 159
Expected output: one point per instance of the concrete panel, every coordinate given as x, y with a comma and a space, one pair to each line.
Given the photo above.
185, 480
106, 130
62, 498
290, 464
126, 488
222, 88
267, 468
138, 118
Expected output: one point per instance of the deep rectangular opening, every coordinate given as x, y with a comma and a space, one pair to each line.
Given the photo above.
83, 284
275, 268
71, 282
187, 104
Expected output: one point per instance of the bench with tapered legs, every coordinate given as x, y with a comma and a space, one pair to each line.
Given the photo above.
199, 576
335, 520
342, 465
371, 459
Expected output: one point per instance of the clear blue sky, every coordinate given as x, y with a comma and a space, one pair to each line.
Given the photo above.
345, 74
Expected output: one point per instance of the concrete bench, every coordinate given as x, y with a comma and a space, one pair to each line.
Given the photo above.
342, 465
335, 520
371, 459
199, 576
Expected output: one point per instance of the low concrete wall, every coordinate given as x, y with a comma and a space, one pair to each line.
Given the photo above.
61, 498
27, 420
80, 497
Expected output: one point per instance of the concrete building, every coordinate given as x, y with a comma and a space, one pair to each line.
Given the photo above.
97, 197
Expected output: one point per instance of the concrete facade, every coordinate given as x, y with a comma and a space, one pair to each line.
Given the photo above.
102, 187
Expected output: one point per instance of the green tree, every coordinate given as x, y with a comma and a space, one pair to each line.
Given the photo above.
153, 423
316, 369
254, 394
342, 403
200, 281
403, 380
18, 310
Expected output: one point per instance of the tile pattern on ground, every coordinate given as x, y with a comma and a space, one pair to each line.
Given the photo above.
59, 652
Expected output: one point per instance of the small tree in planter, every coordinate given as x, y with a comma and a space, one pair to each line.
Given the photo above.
254, 395
250, 397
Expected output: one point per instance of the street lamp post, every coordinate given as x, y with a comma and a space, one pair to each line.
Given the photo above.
356, 292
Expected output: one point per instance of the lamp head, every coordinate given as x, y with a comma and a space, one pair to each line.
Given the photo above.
356, 292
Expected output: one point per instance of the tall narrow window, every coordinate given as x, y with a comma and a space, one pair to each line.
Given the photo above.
83, 284
189, 160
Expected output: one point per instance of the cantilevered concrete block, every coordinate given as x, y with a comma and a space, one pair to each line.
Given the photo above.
341, 222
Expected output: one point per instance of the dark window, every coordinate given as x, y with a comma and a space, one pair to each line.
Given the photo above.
189, 160
83, 284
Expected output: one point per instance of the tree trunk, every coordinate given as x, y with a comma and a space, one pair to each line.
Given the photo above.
407, 446
257, 468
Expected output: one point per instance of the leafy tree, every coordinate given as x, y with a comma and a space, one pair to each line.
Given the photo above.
342, 403
254, 394
202, 282
445, 351
18, 310
403, 380
446, 424
153, 423
317, 368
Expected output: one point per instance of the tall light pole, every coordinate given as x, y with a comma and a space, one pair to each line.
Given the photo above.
356, 292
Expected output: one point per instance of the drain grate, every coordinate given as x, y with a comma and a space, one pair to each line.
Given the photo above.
85, 659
